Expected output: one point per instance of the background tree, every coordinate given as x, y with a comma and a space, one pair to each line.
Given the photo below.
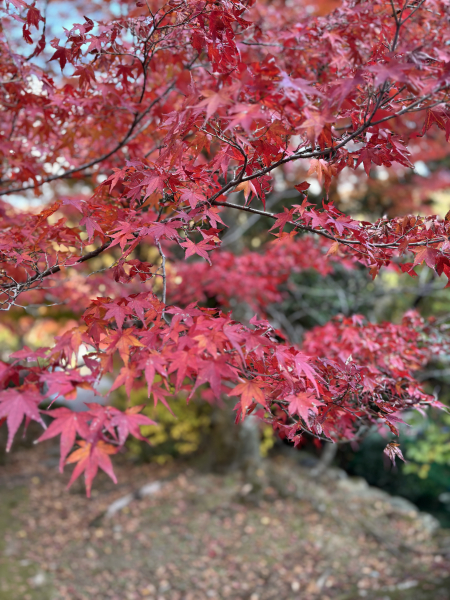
132, 134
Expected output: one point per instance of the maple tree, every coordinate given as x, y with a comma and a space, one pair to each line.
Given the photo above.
131, 131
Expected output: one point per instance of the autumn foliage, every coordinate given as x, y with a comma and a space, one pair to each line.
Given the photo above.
132, 130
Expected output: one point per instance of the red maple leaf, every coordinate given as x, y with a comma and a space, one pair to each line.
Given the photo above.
427, 254
61, 54
34, 16
123, 341
125, 232
283, 218
212, 373
301, 403
167, 230
302, 365
192, 197
181, 362
392, 70
436, 115
139, 303
63, 383
86, 75
153, 182
154, 363
91, 226
249, 392
15, 404
324, 171
89, 457
128, 422
302, 187
118, 312
315, 123
199, 249
66, 423
213, 101
126, 377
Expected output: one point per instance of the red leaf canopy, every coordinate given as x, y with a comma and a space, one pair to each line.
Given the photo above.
132, 131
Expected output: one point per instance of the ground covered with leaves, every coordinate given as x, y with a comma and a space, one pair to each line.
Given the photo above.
199, 537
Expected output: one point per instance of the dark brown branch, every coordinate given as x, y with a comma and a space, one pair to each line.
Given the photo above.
55, 269
321, 231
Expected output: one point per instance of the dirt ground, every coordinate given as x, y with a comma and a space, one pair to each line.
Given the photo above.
197, 538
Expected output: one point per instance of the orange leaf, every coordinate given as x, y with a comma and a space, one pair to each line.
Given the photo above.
248, 391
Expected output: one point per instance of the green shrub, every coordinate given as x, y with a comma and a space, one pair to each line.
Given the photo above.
175, 435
